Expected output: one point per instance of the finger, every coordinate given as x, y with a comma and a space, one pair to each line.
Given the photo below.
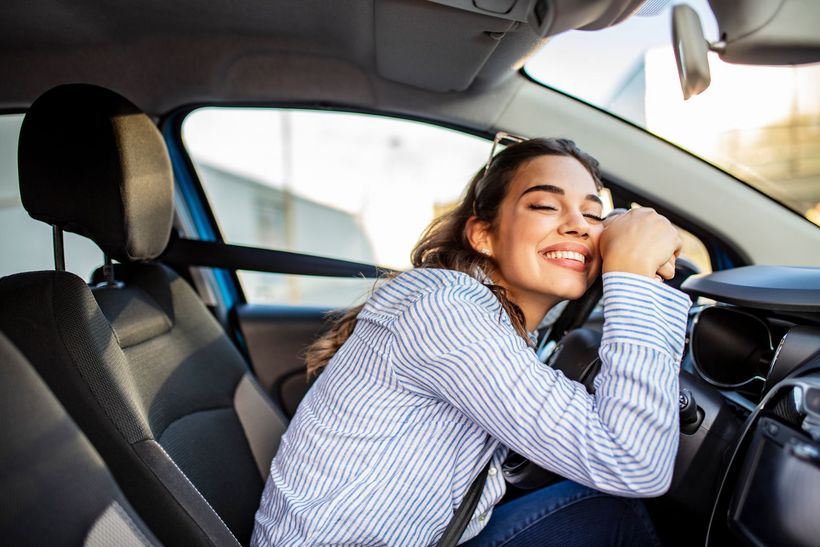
615, 213
667, 271
678, 245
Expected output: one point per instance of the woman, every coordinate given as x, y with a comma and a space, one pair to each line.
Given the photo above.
436, 375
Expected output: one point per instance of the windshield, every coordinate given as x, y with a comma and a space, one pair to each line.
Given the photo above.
761, 124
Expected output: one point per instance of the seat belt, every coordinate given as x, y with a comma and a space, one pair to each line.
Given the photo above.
214, 254
461, 518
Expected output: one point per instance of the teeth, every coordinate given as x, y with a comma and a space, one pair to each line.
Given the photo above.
571, 255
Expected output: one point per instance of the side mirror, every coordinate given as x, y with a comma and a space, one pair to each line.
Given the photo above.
690, 47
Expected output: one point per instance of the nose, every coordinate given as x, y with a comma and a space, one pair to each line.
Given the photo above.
575, 224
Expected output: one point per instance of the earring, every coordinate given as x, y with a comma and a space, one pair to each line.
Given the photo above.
484, 251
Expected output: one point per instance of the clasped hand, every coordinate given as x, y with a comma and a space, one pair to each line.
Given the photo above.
640, 241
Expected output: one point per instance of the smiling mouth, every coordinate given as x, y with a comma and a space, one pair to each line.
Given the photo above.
571, 260
565, 255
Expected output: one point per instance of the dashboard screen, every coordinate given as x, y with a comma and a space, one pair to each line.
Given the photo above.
778, 495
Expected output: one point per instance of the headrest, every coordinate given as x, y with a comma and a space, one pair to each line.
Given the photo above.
92, 163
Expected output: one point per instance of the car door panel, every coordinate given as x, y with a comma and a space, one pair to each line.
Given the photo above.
276, 338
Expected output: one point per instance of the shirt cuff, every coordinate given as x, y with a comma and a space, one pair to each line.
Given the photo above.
642, 311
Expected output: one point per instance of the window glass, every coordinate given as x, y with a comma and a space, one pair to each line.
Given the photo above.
349, 186
25, 243
759, 123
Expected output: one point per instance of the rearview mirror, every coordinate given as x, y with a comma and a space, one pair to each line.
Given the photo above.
690, 47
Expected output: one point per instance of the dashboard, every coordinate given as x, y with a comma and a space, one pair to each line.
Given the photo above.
765, 323
749, 452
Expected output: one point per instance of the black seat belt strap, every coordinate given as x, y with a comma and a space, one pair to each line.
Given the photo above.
192, 252
461, 518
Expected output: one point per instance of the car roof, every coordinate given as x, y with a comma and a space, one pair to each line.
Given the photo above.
396, 55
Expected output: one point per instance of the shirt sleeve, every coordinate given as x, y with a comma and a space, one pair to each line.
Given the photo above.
455, 344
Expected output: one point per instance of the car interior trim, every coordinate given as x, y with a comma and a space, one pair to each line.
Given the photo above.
783, 288
719, 345
195, 208
254, 410
797, 347
724, 508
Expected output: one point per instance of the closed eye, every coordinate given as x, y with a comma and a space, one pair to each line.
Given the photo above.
536, 207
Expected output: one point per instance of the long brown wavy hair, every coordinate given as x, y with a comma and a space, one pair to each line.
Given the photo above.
444, 243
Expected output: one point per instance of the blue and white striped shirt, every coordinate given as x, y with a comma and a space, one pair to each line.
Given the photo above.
434, 381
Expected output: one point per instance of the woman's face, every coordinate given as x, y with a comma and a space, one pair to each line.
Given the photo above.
545, 238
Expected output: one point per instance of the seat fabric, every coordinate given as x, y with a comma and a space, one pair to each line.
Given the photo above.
56, 489
155, 383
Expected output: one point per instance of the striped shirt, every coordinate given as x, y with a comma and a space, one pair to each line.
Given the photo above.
434, 382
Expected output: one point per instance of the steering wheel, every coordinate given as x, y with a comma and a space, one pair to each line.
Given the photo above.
576, 355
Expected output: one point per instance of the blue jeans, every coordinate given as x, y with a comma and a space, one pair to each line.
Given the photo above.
567, 514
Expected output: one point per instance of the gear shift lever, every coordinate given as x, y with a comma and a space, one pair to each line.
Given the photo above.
689, 417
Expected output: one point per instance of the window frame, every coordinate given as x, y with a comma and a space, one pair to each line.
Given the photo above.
193, 200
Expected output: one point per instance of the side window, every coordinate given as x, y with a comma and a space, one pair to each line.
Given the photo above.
350, 186
25, 243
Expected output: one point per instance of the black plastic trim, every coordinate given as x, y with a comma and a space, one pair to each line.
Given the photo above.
779, 288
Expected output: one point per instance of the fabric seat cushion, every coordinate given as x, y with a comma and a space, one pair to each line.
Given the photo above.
56, 488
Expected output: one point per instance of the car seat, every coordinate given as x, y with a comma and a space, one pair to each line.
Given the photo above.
56, 489
137, 360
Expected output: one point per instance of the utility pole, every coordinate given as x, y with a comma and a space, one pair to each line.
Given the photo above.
294, 295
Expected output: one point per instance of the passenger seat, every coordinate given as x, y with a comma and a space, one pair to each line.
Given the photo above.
56, 489
138, 361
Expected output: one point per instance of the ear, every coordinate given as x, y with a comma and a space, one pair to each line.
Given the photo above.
479, 235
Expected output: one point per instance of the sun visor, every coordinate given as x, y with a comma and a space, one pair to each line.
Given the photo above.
435, 48
450, 45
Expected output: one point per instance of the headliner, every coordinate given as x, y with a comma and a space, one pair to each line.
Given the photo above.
406, 56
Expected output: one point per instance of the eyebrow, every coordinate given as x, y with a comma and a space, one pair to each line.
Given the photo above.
560, 191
